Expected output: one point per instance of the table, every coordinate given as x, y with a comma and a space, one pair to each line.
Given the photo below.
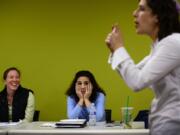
36, 128
3, 132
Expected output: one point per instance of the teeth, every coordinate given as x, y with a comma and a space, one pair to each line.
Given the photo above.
14, 84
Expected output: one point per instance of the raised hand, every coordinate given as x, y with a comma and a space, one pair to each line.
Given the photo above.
114, 39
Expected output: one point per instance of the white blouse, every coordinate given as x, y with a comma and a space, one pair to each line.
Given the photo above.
160, 70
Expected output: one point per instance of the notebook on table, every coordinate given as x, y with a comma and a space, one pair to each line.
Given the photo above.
71, 123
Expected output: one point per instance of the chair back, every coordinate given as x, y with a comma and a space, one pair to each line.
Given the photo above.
36, 115
143, 115
108, 115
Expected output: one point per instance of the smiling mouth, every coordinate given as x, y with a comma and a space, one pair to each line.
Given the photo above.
14, 84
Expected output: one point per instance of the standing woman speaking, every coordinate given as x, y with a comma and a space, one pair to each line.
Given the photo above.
160, 70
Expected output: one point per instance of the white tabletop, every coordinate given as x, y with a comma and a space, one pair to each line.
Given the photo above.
3, 132
41, 128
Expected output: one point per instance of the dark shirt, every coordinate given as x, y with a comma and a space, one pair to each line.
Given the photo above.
19, 104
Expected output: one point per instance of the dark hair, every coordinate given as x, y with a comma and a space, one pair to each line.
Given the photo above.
96, 88
167, 14
10, 69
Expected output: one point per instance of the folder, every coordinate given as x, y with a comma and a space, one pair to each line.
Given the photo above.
71, 123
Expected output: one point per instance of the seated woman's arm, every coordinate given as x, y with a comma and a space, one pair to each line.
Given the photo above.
100, 110
29, 112
73, 109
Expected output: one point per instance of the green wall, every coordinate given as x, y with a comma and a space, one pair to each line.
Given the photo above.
50, 40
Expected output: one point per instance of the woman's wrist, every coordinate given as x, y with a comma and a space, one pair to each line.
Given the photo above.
81, 101
87, 102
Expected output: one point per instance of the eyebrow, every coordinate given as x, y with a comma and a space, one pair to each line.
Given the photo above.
83, 81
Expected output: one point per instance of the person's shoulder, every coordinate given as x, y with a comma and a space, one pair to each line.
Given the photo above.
100, 94
175, 37
172, 40
72, 97
26, 89
3, 91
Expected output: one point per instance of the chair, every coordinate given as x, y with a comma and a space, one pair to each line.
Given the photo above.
108, 115
36, 115
143, 116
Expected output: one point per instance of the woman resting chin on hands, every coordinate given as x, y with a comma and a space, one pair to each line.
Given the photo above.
84, 91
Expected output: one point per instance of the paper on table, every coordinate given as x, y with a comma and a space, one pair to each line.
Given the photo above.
48, 124
6, 124
72, 121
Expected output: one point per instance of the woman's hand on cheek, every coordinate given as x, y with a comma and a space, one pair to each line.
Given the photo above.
88, 92
81, 98
79, 94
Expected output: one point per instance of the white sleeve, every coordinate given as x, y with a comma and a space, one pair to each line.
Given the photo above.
165, 59
29, 112
118, 57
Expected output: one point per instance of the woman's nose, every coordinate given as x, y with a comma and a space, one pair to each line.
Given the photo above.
15, 79
82, 86
135, 13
